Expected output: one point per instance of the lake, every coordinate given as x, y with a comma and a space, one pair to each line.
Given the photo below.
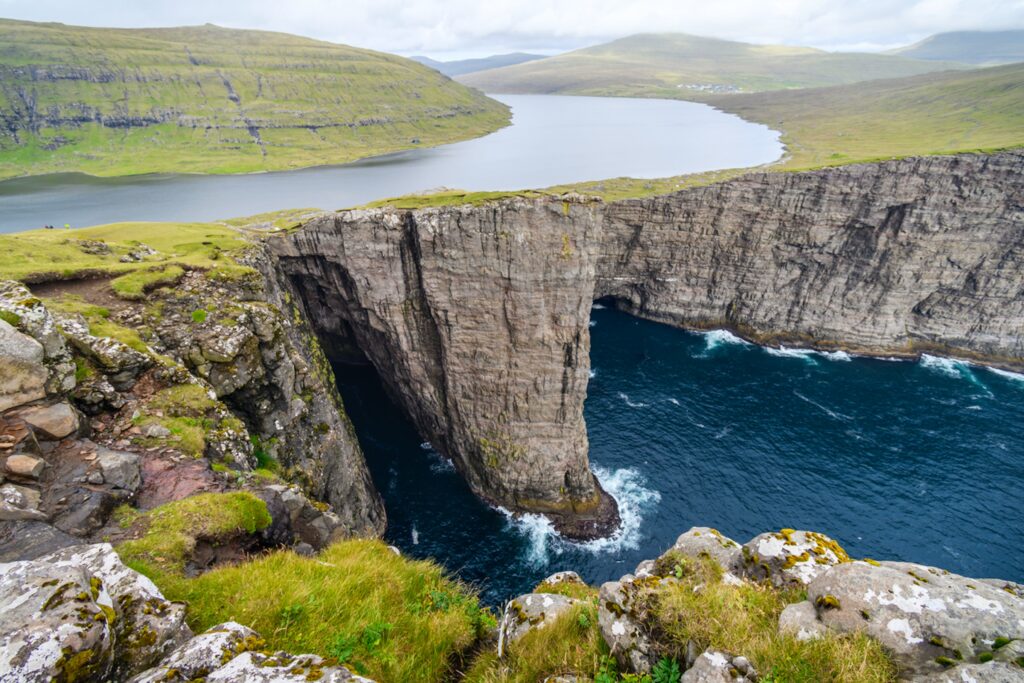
918, 461
552, 140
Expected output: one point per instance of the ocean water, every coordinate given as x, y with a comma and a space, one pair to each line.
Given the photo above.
918, 461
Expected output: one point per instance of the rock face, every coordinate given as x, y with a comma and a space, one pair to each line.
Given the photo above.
476, 318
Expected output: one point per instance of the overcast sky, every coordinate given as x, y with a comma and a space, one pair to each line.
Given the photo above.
458, 28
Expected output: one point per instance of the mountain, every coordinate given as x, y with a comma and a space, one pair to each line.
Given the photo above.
973, 47
691, 67
466, 66
211, 99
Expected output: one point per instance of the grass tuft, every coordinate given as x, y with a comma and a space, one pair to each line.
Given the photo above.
134, 286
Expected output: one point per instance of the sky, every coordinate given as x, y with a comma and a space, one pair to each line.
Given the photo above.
448, 29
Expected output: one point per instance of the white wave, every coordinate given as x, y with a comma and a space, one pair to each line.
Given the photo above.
785, 352
716, 338
593, 323
439, 463
674, 401
631, 404
593, 373
415, 536
946, 366
836, 355
831, 413
598, 307
1015, 376
627, 486
427, 446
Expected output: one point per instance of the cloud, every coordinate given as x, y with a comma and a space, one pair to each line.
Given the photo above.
471, 26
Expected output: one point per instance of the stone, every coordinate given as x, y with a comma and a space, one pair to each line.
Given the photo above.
54, 618
559, 578
702, 541
148, 626
120, 363
621, 625
992, 672
790, 558
22, 373
28, 466
713, 666
926, 617
120, 469
226, 653
19, 503
54, 421
156, 431
531, 611
29, 539
800, 620
36, 321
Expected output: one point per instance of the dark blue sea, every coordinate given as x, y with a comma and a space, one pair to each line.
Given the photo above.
919, 461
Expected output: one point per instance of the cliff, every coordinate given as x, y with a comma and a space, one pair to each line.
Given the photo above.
476, 317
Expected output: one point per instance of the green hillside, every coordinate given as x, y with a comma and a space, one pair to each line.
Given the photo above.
214, 100
973, 47
928, 114
690, 67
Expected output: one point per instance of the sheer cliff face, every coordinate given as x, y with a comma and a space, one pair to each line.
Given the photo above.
896, 258
477, 317
477, 321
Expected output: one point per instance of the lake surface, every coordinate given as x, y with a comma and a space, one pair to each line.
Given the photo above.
896, 460
553, 140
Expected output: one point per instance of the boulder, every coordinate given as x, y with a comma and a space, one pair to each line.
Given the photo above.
929, 619
789, 557
146, 625
621, 625
119, 469
54, 421
27, 466
119, 362
36, 321
531, 611
559, 578
22, 373
702, 541
713, 666
29, 539
19, 503
992, 672
226, 652
801, 621
58, 623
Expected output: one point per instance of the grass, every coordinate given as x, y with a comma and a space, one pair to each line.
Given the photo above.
214, 100
98, 320
134, 286
188, 412
683, 66
171, 531
452, 198
744, 619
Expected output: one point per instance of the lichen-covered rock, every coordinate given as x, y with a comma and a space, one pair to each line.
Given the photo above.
297, 519
19, 503
119, 468
621, 625
531, 611
29, 539
991, 672
121, 364
800, 620
22, 373
56, 623
559, 578
34, 320
230, 652
789, 557
147, 626
713, 666
702, 541
927, 618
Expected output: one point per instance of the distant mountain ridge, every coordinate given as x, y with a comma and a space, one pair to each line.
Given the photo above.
214, 100
684, 66
972, 47
465, 66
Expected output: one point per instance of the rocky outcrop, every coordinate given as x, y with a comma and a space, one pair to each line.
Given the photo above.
476, 317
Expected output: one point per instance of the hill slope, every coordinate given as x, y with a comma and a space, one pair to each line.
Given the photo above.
973, 47
466, 66
691, 67
210, 99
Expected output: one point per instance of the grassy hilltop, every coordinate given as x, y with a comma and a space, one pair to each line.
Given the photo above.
973, 47
214, 100
689, 67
